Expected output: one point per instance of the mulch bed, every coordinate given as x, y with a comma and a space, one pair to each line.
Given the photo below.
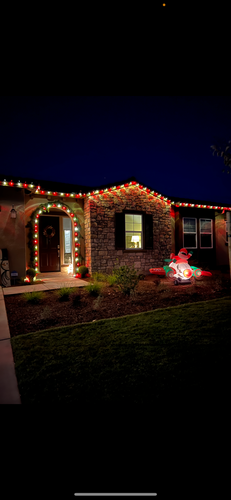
152, 293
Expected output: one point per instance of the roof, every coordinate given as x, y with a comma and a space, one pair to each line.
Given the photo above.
60, 188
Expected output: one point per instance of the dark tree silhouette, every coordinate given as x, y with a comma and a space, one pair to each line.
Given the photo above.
225, 153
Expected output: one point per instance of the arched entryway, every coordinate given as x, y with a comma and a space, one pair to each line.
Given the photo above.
55, 239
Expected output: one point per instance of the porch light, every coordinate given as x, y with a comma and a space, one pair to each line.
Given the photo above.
13, 213
4, 182
19, 183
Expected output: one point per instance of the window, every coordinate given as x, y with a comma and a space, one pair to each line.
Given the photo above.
133, 231
206, 235
67, 240
189, 233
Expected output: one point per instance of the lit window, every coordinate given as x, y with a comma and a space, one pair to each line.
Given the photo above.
133, 231
189, 233
206, 233
67, 240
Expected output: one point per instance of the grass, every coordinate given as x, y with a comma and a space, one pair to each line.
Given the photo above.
177, 352
99, 277
33, 297
64, 293
93, 288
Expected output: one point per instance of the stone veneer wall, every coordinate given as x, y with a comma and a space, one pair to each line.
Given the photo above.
99, 211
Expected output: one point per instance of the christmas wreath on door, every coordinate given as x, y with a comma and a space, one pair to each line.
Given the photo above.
49, 232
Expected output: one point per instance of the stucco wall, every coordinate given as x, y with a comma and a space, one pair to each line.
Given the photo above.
12, 231
100, 249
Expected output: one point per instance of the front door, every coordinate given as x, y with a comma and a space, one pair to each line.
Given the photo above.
49, 244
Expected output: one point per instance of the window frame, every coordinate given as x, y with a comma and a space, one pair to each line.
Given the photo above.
134, 232
147, 230
63, 232
187, 232
206, 218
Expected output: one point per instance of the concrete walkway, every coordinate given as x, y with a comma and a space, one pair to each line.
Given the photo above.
9, 393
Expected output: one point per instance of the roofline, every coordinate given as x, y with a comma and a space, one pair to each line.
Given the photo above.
87, 190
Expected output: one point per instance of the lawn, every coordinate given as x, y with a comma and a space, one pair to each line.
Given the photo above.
180, 352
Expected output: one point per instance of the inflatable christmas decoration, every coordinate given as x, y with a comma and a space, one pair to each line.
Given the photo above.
179, 269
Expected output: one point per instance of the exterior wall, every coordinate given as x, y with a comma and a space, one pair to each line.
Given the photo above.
12, 231
201, 256
222, 257
100, 210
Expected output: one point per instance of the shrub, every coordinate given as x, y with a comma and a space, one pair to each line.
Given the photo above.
111, 279
31, 273
32, 297
99, 277
93, 289
126, 278
64, 293
83, 270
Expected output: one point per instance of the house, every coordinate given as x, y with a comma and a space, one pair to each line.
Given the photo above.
54, 226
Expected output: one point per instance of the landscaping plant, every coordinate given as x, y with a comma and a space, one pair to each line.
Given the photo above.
99, 277
33, 297
94, 289
127, 279
64, 293
83, 270
111, 279
31, 273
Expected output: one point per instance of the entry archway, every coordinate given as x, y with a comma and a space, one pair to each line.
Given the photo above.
43, 208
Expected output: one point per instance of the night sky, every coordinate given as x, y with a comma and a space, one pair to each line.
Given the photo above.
164, 141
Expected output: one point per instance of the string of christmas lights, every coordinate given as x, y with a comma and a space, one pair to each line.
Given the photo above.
144, 190
43, 209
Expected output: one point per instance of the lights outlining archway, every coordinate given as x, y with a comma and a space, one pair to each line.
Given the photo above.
43, 209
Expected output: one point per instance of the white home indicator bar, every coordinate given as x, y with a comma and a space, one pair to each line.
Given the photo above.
115, 494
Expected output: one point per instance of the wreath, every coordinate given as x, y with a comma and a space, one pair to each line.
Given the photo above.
49, 232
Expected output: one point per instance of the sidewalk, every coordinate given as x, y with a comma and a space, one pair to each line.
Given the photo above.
9, 393
49, 284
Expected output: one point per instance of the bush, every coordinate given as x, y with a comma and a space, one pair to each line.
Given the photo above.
126, 278
31, 273
32, 297
111, 279
99, 277
93, 289
64, 293
83, 270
